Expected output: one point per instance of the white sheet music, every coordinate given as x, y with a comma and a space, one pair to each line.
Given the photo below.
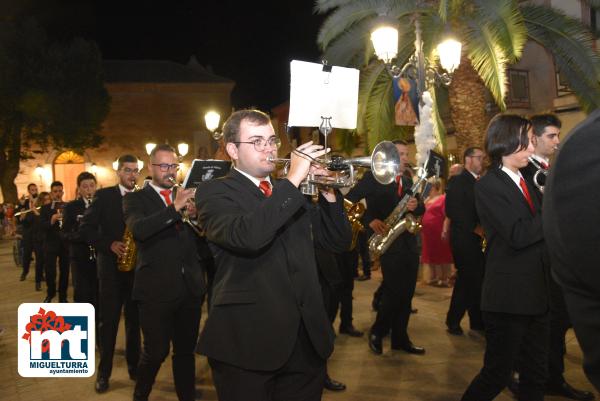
315, 93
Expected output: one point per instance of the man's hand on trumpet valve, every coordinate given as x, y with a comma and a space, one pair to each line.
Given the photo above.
379, 227
301, 159
182, 197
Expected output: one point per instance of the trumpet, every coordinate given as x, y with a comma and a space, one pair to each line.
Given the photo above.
22, 212
539, 177
184, 212
384, 162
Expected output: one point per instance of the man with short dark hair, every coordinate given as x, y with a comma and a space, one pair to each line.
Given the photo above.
400, 263
267, 336
27, 230
55, 248
466, 243
82, 255
103, 226
545, 140
169, 281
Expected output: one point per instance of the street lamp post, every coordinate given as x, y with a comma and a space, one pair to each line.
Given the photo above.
212, 119
385, 41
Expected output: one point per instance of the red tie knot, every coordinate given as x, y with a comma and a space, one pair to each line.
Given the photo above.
166, 193
265, 187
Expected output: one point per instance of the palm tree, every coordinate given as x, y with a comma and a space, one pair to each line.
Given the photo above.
493, 34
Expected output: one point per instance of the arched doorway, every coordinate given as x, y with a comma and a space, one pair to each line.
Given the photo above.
67, 167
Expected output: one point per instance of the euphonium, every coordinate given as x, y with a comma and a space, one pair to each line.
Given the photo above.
355, 212
539, 177
126, 262
399, 220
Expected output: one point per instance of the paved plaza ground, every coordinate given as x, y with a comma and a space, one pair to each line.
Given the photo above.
442, 374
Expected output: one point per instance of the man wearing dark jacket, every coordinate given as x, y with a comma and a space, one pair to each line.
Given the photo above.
267, 336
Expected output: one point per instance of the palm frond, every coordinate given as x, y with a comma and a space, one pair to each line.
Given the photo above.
488, 58
572, 46
352, 48
438, 123
323, 6
504, 18
379, 108
368, 79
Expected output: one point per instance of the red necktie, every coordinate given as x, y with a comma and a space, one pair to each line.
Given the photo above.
544, 165
166, 193
399, 182
526, 194
265, 187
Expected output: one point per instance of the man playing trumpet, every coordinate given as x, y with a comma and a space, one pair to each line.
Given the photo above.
267, 335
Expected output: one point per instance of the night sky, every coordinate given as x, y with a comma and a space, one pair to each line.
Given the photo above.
249, 42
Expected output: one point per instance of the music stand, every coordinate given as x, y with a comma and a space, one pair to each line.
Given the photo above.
205, 170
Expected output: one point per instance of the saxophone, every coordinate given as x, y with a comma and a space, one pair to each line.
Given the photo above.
398, 221
355, 212
126, 262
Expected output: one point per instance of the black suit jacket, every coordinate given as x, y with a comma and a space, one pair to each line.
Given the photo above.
381, 200
78, 246
460, 209
266, 280
102, 224
167, 255
53, 241
516, 277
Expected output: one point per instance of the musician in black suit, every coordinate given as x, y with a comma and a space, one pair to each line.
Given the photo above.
571, 220
103, 226
33, 220
400, 263
55, 248
465, 242
82, 255
267, 335
515, 300
545, 139
169, 281
27, 229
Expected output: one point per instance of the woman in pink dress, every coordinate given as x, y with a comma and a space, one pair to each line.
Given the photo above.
436, 250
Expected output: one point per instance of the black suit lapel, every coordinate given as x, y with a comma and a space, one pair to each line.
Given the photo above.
244, 183
514, 191
153, 196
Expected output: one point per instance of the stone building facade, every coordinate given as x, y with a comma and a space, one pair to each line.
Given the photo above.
151, 101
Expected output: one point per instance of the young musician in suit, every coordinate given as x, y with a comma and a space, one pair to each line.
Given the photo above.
82, 255
103, 227
55, 248
267, 335
169, 281
465, 241
27, 227
571, 219
514, 301
545, 139
33, 219
400, 263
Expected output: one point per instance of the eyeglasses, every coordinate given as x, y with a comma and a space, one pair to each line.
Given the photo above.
128, 170
166, 167
261, 143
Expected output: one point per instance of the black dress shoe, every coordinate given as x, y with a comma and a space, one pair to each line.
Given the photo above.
333, 385
363, 278
410, 348
38, 286
375, 304
375, 344
133, 375
566, 390
63, 300
23, 277
351, 331
101, 385
455, 330
47, 300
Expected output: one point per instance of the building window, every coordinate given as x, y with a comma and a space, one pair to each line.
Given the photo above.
562, 88
518, 89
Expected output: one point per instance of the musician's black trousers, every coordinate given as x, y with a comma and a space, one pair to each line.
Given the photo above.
399, 281
50, 259
85, 280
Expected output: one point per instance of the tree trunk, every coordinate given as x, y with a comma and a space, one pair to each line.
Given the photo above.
467, 107
10, 158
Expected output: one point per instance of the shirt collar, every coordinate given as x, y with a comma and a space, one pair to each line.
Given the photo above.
516, 177
254, 180
158, 189
541, 159
476, 176
123, 190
